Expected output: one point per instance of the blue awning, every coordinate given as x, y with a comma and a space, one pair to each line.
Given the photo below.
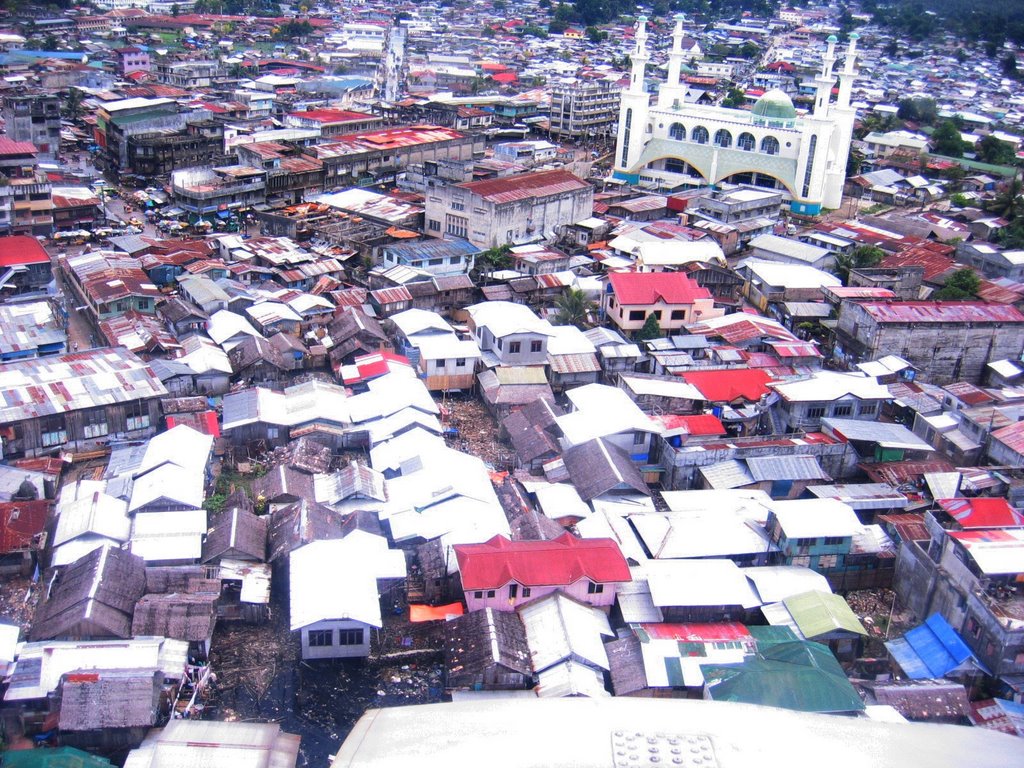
224, 214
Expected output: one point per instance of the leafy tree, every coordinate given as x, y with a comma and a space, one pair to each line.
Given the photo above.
545, 4
961, 55
854, 162
1012, 237
574, 308
1007, 203
651, 329
994, 151
748, 51
175, 10
734, 98
556, 27
1009, 66
918, 110
946, 139
73, 103
493, 259
961, 285
959, 200
861, 257
533, 31
596, 35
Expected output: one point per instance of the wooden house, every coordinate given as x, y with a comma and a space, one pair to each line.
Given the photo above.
109, 708
94, 597
487, 651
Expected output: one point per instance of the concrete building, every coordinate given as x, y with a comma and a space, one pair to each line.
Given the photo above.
513, 209
734, 217
675, 143
991, 261
944, 341
34, 119
116, 121
671, 297
804, 403
584, 110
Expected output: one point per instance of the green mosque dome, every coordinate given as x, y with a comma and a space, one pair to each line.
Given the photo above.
774, 105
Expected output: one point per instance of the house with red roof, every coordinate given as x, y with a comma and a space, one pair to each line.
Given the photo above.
671, 297
503, 574
981, 512
21, 533
24, 266
334, 122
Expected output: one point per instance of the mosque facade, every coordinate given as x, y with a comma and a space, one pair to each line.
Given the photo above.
672, 143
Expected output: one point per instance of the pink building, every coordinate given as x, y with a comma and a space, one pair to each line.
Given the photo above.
132, 59
503, 574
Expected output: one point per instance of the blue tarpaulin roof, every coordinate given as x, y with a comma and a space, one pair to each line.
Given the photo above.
931, 650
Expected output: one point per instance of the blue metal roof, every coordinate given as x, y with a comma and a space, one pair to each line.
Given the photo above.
931, 650
431, 248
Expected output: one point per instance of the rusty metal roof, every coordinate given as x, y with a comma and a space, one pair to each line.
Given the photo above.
525, 185
942, 312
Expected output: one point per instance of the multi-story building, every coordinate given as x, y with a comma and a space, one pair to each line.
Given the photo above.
991, 260
803, 403
513, 209
291, 176
678, 143
35, 119
735, 217
187, 74
25, 266
945, 341
132, 59
208, 190
155, 155
672, 298
334, 122
586, 110
25, 204
375, 157
116, 121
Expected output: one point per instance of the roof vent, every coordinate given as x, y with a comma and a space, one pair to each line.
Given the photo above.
638, 748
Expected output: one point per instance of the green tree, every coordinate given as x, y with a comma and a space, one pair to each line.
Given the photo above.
918, 110
556, 27
960, 286
73, 104
994, 151
946, 139
861, 257
959, 200
1007, 203
493, 260
574, 308
175, 10
734, 98
651, 329
1009, 66
596, 35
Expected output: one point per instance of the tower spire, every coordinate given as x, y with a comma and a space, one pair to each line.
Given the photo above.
848, 73
640, 57
675, 56
826, 79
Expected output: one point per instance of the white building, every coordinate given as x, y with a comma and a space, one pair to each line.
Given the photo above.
674, 143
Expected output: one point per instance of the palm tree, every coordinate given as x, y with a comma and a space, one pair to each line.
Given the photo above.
73, 103
1007, 203
574, 308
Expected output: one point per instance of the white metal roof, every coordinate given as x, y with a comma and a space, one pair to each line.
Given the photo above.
815, 518
775, 583
558, 627
825, 386
699, 582
571, 678
677, 536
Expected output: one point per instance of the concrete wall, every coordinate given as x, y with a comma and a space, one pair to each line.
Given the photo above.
335, 651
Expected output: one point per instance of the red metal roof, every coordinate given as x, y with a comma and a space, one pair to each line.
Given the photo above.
11, 147
201, 421
702, 425
331, 116
559, 562
1011, 436
942, 312
982, 512
716, 632
525, 185
729, 385
20, 522
21, 249
644, 288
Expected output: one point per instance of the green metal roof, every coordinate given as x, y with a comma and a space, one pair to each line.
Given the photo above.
801, 676
818, 613
62, 757
769, 635
774, 105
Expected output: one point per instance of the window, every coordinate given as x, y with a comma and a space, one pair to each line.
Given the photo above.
828, 561
514, 347
535, 345
434, 225
595, 589
700, 135
321, 638
136, 415
868, 409
53, 430
657, 314
435, 262
637, 314
812, 146
625, 137
94, 423
832, 541
723, 138
678, 314
802, 560
350, 637
460, 362
457, 225
746, 142
457, 206
842, 410
526, 591
770, 145
439, 363
478, 595
815, 412
638, 438
513, 591
490, 593
804, 542
677, 131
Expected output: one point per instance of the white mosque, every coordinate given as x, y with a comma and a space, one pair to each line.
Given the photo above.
674, 144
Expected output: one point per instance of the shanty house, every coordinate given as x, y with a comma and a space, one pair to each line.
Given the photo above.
487, 651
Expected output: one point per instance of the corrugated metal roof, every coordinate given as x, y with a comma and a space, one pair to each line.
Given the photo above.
942, 312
